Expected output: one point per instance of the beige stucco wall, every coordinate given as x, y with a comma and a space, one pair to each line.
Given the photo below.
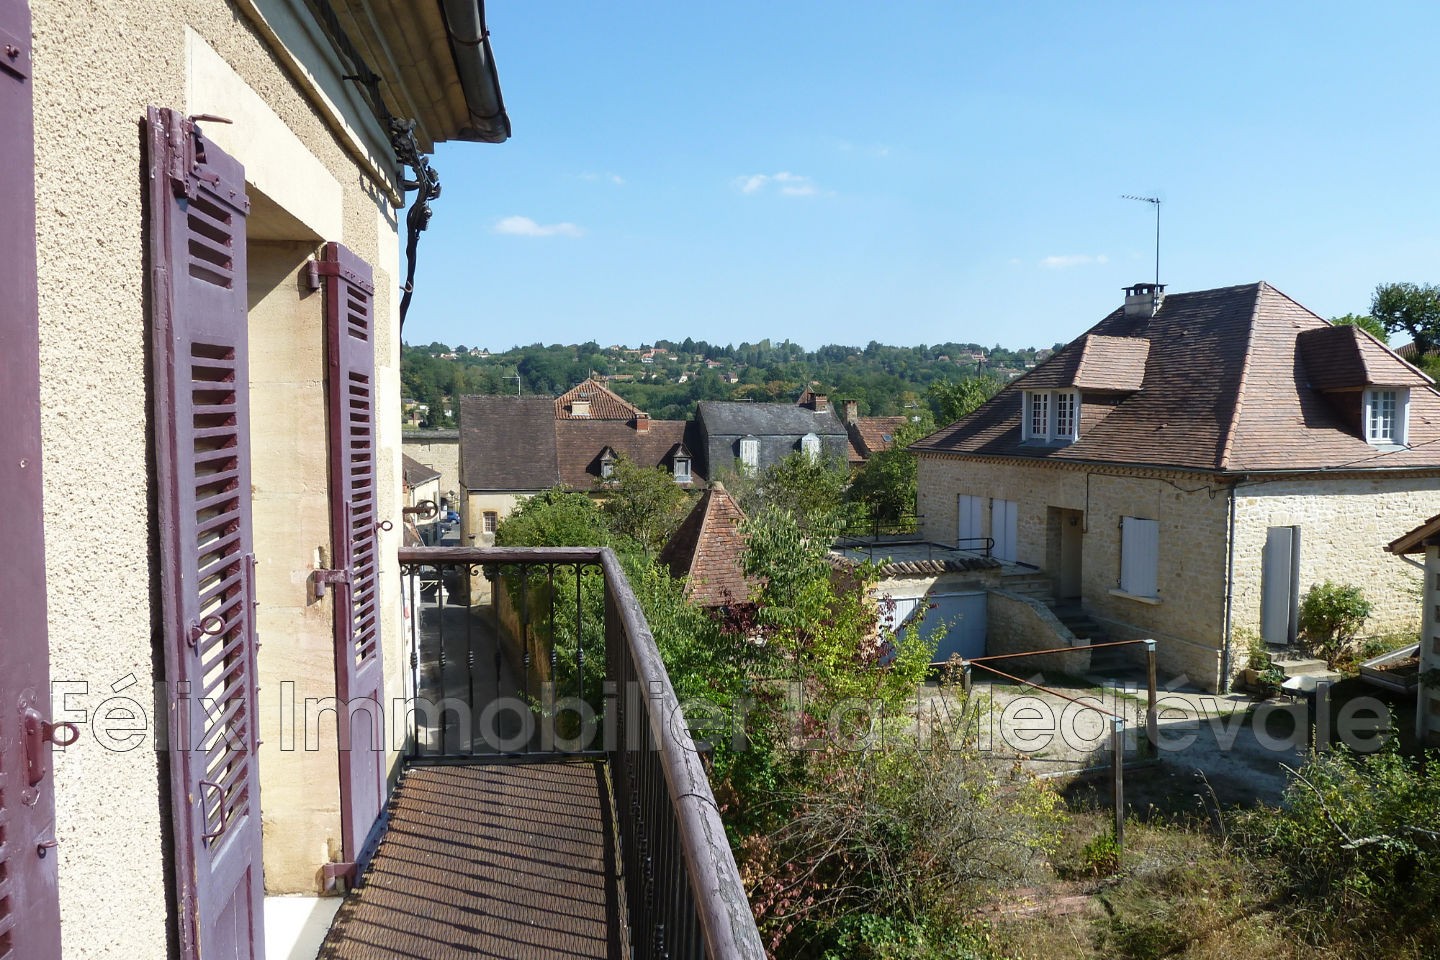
1188, 620
1345, 523
94, 75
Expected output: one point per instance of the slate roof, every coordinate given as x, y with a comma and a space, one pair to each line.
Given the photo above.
507, 443
579, 444
416, 472
738, 419
604, 403
1226, 387
871, 435
707, 550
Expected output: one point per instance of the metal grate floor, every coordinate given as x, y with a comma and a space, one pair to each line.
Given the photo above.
501, 860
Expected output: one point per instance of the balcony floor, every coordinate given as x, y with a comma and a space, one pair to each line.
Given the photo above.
502, 860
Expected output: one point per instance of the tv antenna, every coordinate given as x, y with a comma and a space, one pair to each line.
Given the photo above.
517, 384
1155, 202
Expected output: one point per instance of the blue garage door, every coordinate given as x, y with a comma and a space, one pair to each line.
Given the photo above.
961, 614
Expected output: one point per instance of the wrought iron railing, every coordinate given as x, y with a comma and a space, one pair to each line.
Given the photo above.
509, 659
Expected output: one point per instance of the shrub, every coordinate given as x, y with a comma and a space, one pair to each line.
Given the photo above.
1331, 615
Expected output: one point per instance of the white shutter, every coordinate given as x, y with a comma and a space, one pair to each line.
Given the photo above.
1139, 556
969, 532
1003, 529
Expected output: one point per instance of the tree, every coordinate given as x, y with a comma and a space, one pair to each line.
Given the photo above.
1365, 322
885, 485
555, 518
643, 503
1413, 308
810, 489
951, 400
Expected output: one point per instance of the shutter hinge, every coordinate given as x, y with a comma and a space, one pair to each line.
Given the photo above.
312, 275
321, 577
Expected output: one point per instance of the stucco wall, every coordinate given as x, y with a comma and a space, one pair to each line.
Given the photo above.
1193, 518
1345, 523
94, 76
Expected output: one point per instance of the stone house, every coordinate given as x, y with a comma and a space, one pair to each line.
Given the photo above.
1188, 467
507, 453
228, 177
1424, 541
759, 435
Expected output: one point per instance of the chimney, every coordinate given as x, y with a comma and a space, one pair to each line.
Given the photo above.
579, 408
642, 422
820, 403
1143, 300
852, 411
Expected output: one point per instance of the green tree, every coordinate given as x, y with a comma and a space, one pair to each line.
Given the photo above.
810, 489
951, 400
1413, 308
555, 518
885, 486
1365, 322
643, 503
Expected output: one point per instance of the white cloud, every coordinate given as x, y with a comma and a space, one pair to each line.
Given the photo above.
525, 227
785, 183
1065, 261
614, 178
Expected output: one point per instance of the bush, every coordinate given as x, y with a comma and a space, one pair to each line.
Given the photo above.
1331, 615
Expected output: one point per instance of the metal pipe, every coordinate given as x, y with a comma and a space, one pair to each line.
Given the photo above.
475, 62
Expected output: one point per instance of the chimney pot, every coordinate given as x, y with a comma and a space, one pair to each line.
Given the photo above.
820, 404
642, 422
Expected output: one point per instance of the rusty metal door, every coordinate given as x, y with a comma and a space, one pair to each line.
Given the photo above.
201, 425
359, 667
29, 900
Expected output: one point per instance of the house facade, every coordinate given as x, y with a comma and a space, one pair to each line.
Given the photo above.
219, 467
757, 436
1190, 466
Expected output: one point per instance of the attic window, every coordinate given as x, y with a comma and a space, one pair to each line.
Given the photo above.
1385, 411
1051, 416
607, 464
682, 469
810, 446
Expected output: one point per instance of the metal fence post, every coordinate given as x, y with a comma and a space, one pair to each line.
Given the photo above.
967, 681
1152, 716
1117, 777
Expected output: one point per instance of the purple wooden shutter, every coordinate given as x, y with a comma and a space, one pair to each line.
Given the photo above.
202, 442
359, 668
29, 904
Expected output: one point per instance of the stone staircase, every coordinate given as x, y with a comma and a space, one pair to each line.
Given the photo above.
1107, 662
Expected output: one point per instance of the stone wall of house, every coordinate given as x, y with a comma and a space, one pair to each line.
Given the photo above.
438, 450
1020, 624
1193, 516
1345, 523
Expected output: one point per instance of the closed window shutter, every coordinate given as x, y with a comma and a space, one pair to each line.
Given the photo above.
1139, 556
350, 347
29, 905
197, 215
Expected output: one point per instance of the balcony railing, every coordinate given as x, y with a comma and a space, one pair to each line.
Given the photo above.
508, 660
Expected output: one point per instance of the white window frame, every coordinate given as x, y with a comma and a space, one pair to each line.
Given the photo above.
1375, 422
489, 520
1043, 418
682, 469
1140, 558
810, 446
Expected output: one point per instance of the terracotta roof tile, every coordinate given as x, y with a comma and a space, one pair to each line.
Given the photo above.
1225, 388
603, 404
708, 551
871, 435
580, 443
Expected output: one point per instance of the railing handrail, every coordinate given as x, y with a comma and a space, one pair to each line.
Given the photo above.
723, 909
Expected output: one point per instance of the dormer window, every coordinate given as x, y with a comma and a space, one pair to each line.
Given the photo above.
607, 464
1385, 409
682, 469
810, 446
1051, 415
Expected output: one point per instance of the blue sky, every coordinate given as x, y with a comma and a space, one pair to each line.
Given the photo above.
920, 172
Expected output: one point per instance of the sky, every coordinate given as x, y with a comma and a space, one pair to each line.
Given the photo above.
924, 171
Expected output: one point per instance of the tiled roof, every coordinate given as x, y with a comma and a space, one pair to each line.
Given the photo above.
1346, 358
708, 551
604, 404
579, 444
507, 443
416, 472
1225, 388
870, 435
